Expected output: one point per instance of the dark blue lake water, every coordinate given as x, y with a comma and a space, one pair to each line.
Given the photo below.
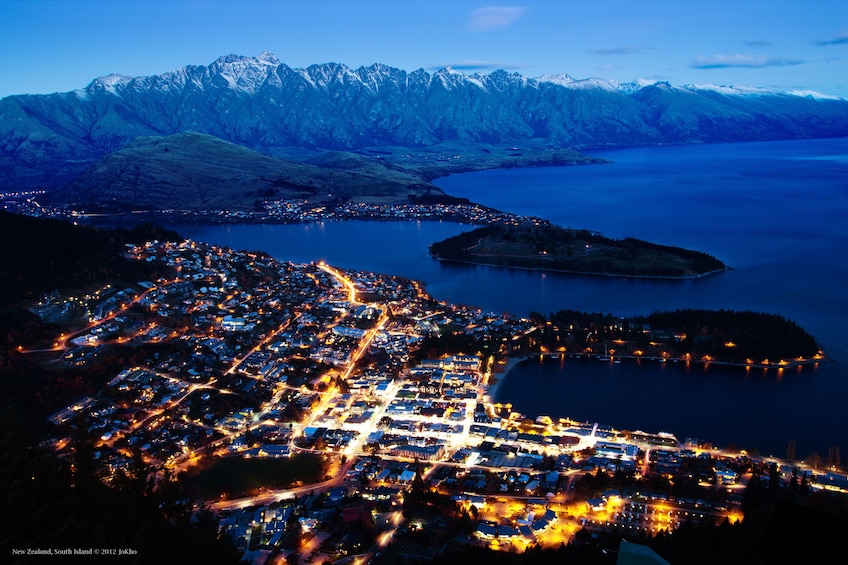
776, 212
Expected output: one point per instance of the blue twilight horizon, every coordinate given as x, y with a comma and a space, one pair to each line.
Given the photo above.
787, 45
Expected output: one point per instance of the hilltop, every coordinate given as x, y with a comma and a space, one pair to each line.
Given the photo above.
193, 171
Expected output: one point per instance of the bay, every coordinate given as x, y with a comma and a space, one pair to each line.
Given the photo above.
774, 211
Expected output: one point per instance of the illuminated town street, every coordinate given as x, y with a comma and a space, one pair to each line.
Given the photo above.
274, 364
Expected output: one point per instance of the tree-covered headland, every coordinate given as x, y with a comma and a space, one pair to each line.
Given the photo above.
741, 337
553, 248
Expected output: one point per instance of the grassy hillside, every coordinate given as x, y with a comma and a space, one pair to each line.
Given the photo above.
192, 171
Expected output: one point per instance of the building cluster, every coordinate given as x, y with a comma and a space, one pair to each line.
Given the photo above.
26, 202
291, 211
236, 355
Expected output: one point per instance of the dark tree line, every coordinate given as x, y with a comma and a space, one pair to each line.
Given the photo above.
38, 255
726, 335
437, 198
754, 335
701, 262
454, 248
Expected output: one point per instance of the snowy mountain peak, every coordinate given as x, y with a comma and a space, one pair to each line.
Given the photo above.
813, 94
578, 84
324, 75
450, 78
261, 103
109, 83
225, 60
561, 79
246, 74
632, 86
268, 57
732, 90
241, 63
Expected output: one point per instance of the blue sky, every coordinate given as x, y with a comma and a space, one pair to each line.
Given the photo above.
61, 45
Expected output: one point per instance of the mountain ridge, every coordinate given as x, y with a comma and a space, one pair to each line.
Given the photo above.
46, 141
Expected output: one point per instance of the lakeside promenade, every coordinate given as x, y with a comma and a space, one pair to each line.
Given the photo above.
496, 378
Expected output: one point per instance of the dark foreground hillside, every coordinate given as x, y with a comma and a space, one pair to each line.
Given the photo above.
56, 504
39, 255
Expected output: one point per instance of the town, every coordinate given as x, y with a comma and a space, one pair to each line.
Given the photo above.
376, 431
289, 211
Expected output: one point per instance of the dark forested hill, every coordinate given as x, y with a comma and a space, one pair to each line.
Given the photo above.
54, 503
554, 248
742, 337
39, 255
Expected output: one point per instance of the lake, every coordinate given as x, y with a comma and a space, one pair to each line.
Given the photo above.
776, 212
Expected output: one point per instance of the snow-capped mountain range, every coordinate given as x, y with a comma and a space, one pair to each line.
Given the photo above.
263, 104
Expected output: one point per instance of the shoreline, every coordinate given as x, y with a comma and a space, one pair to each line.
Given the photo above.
776, 365
492, 389
585, 273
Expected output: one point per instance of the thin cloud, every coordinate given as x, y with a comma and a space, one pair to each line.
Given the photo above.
492, 18
624, 50
738, 60
757, 43
477, 65
835, 40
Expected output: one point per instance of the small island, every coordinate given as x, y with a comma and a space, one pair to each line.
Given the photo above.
553, 248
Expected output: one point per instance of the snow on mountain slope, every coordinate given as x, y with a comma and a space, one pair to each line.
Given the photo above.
261, 103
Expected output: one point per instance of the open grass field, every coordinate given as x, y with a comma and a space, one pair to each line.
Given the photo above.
236, 476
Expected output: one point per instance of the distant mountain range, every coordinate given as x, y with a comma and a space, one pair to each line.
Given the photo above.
403, 118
